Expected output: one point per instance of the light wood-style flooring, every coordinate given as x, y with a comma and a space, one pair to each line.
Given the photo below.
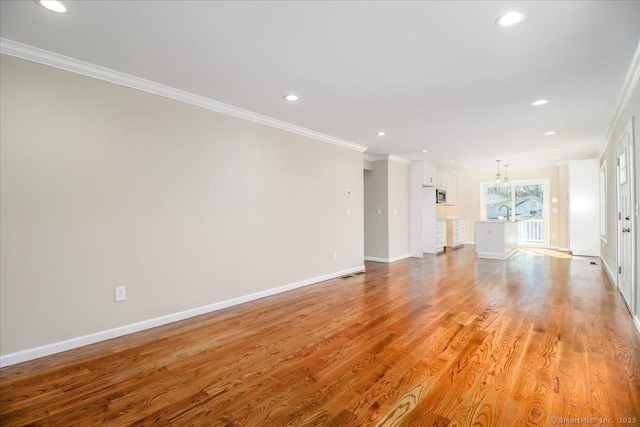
443, 341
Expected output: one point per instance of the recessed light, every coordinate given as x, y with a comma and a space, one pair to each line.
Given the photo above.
549, 133
291, 97
510, 19
425, 151
53, 5
452, 161
558, 158
560, 163
556, 149
381, 133
540, 102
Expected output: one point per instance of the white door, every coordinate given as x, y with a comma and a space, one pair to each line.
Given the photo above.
625, 234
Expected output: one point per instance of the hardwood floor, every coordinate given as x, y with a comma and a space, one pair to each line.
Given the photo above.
448, 340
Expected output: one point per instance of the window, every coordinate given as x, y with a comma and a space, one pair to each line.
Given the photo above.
525, 202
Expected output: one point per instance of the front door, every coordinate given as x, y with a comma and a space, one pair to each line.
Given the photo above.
625, 235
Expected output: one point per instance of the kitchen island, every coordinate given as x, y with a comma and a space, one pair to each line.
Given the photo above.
496, 239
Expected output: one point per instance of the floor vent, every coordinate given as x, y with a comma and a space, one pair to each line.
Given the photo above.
349, 276
593, 263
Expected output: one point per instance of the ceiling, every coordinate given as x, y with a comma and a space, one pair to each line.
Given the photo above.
433, 75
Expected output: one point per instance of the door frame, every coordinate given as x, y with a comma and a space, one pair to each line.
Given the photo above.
628, 130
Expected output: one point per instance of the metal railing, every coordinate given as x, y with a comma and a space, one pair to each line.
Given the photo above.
531, 232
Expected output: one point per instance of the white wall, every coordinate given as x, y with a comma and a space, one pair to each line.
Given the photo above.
584, 207
398, 210
376, 210
105, 186
628, 110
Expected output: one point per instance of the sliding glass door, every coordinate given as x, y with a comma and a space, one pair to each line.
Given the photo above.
525, 202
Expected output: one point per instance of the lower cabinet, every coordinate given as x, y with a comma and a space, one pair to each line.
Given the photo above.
456, 232
441, 234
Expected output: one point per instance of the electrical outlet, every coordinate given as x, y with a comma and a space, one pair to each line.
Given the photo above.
335, 254
348, 211
121, 293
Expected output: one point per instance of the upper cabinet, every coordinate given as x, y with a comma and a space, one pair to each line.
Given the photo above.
447, 182
428, 175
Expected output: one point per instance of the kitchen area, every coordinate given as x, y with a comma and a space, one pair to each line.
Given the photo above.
435, 226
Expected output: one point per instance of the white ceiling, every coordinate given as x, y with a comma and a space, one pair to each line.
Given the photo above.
434, 75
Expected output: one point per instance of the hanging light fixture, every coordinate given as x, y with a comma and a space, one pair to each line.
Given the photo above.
506, 176
498, 176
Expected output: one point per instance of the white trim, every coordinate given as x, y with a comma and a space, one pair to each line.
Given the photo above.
387, 157
60, 346
469, 242
398, 258
41, 56
633, 75
636, 322
399, 160
490, 255
564, 249
387, 260
612, 277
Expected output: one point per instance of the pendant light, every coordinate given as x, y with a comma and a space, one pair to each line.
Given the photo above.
498, 176
506, 176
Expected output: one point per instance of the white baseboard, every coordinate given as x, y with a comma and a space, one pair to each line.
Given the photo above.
60, 346
490, 255
387, 260
609, 273
636, 321
469, 243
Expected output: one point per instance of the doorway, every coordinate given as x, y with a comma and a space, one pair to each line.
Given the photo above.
626, 219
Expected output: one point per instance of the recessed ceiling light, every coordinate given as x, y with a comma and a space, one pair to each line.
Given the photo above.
291, 97
53, 5
381, 133
425, 151
558, 158
540, 102
556, 149
452, 161
560, 163
549, 133
510, 19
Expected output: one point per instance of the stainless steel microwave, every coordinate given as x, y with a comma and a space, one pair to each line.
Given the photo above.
441, 196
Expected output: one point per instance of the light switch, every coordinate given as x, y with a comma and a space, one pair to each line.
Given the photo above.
348, 211
395, 211
379, 211
554, 200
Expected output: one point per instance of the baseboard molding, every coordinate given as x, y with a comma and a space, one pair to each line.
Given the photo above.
58, 347
489, 255
609, 273
469, 243
636, 322
387, 260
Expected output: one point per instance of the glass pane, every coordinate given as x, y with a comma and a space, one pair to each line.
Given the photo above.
530, 213
623, 168
499, 203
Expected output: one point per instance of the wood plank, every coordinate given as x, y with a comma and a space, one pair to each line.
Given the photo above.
447, 340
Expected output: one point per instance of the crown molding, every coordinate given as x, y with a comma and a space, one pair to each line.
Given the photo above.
400, 160
386, 157
633, 75
41, 56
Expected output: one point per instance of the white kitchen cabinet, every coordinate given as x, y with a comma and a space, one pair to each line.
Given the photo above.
456, 232
441, 234
428, 175
447, 182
